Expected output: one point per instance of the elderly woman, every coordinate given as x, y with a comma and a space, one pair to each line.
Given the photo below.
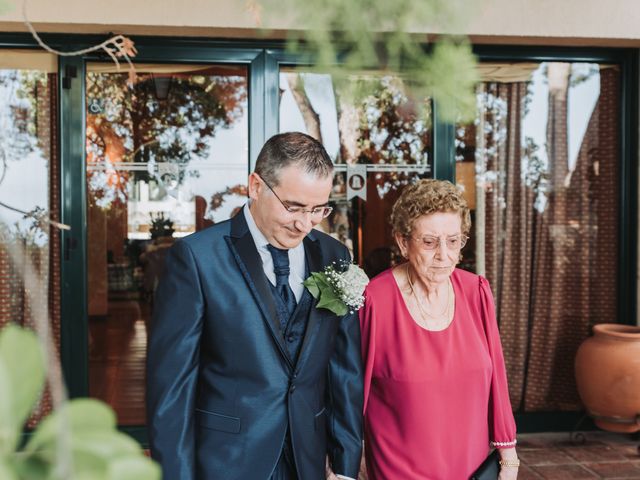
435, 384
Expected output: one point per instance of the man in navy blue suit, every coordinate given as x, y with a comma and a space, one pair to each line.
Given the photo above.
246, 378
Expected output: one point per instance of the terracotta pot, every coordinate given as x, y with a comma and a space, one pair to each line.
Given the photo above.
608, 376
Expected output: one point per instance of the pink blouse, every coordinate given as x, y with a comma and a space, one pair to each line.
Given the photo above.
434, 400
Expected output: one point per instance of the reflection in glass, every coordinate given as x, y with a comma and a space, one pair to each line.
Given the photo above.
539, 168
166, 157
29, 190
370, 121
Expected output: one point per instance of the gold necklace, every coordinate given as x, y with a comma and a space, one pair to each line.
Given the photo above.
423, 311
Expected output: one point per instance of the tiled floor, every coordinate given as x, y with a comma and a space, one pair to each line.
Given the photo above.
554, 456
118, 348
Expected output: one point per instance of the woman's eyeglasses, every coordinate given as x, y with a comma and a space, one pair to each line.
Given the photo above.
430, 242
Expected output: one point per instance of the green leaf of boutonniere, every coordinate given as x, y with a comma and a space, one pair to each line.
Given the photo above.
338, 292
314, 283
331, 301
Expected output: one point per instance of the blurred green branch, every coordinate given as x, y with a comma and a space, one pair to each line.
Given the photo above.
349, 37
5, 6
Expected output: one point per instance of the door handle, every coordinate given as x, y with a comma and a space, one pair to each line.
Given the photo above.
70, 243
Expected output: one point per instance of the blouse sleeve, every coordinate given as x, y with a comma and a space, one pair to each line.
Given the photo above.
367, 332
502, 426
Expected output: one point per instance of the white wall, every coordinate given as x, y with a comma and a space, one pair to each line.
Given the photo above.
572, 22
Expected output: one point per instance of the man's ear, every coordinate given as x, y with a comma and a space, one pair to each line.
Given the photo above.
255, 186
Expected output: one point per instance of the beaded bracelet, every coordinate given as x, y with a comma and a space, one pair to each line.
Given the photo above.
504, 444
510, 463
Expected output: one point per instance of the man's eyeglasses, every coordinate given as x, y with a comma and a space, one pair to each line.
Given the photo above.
429, 242
322, 212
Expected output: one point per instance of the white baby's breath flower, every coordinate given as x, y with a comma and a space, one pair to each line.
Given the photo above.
351, 284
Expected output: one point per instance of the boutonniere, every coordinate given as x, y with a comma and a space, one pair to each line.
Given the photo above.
338, 290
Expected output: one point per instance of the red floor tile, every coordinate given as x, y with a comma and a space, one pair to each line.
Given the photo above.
615, 469
544, 456
564, 472
595, 453
117, 358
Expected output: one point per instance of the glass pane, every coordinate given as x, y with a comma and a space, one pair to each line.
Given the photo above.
166, 157
381, 127
29, 192
540, 169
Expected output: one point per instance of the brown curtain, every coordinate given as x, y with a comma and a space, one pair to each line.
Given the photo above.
508, 225
45, 405
553, 270
574, 280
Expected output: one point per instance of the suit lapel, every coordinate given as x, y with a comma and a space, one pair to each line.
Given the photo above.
313, 256
244, 250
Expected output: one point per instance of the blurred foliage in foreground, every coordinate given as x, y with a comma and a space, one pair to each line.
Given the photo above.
350, 37
78, 441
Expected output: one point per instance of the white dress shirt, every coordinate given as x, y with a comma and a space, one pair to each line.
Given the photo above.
296, 257
296, 264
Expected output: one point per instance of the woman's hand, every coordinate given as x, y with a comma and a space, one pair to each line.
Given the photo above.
508, 472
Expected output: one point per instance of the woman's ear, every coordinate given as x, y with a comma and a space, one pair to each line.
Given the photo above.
402, 243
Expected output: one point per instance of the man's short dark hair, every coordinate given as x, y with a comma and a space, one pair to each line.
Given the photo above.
292, 148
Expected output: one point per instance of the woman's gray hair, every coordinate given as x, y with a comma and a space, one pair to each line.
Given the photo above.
425, 197
292, 148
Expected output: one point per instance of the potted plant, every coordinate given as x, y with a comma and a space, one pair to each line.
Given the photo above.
160, 226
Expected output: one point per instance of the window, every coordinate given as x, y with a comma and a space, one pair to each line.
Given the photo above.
375, 125
540, 170
29, 179
166, 157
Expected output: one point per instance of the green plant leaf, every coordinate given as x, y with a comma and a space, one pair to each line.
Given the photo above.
133, 468
32, 467
92, 453
24, 369
88, 466
345, 38
5, 7
312, 285
327, 294
337, 306
82, 414
316, 284
330, 301
321, 280
9, 431
6, 471
105, 444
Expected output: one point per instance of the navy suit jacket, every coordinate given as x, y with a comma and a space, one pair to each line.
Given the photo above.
221, 389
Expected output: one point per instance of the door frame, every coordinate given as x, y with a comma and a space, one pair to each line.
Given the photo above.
263, 59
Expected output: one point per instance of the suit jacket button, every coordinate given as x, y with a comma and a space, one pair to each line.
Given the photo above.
292, 389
